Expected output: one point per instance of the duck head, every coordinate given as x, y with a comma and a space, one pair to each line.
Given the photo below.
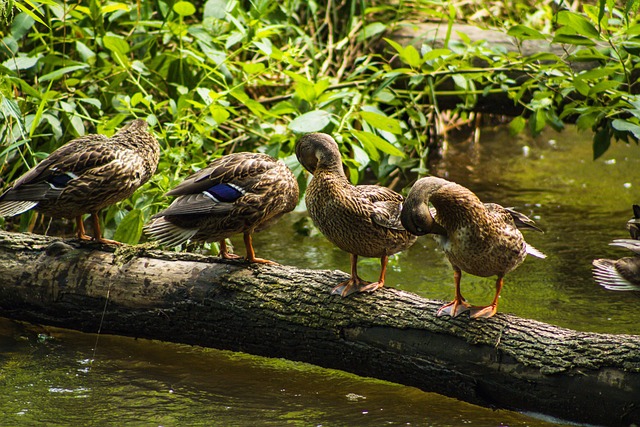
416, 216
319, 151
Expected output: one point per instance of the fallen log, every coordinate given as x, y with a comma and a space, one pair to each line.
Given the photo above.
281, 311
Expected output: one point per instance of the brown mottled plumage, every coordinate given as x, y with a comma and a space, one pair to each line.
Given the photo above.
622, 274
362, 220
86, 175
479, 238
236, 193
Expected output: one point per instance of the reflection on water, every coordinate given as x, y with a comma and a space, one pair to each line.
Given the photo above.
54, 382
581, 204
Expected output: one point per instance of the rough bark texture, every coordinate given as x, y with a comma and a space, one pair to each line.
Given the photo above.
286, 312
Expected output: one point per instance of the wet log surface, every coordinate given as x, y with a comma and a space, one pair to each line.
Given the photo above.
281, 311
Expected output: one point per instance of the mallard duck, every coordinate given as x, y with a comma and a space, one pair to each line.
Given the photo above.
362, 220
619, 274
622, 274
237, 193
86, 175
478, 238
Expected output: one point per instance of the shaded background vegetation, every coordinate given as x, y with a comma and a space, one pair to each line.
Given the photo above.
217, 76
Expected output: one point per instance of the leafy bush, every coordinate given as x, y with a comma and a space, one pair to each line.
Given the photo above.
229, 75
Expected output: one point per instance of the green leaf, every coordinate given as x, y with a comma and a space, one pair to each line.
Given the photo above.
381, 122
313, 121
601, 142
517, 125
578, 23
604, 86
436, 54
411, 57
54, 75
572, 39
215, 9
523, 32
21, 62
130, 228
581, 86
371, 30
184, 8
255, 107
116, 44
29, 12
368, 138
626, 126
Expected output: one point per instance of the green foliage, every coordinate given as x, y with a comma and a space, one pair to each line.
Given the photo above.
219, 76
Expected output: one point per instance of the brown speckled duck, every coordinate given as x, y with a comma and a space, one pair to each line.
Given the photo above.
86, 175
237, 193
622, 274
362, 220
478, 238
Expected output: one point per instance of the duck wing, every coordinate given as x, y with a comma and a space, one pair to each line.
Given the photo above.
382, 204
48, 179
214, 189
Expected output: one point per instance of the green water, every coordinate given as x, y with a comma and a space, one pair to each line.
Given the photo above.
52, 377
47, 377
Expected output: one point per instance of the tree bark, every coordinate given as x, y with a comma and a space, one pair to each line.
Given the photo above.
282, 311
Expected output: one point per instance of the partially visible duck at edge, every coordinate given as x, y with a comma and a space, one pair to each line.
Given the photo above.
478, 238
86, 175
622, 274
363, 220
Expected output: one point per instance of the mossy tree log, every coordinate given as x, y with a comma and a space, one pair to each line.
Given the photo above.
286, 312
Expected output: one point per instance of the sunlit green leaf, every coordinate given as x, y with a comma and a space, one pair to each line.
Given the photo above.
371, 30
626, 126
184, 8
381, 122
578, 23
21, 62
517, 125
368, 138
523, 32
54, 75
116, 44
313, 121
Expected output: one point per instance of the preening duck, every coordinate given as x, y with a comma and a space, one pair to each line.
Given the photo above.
478, 238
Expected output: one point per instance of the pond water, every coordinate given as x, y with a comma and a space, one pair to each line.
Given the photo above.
51, 376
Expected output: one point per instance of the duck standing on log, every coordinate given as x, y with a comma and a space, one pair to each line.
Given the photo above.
622, 274
482, 239
363, 220
86, 175
237, 193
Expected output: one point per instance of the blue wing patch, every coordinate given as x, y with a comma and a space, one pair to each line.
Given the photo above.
58, 182
226, 193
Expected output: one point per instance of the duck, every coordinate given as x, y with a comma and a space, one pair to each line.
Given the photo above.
240, 192
85, 176
362, 220
482, 239
622, 274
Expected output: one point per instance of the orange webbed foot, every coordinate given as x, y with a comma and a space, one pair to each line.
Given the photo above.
255, 260
483, 311
371, 287
454, 308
